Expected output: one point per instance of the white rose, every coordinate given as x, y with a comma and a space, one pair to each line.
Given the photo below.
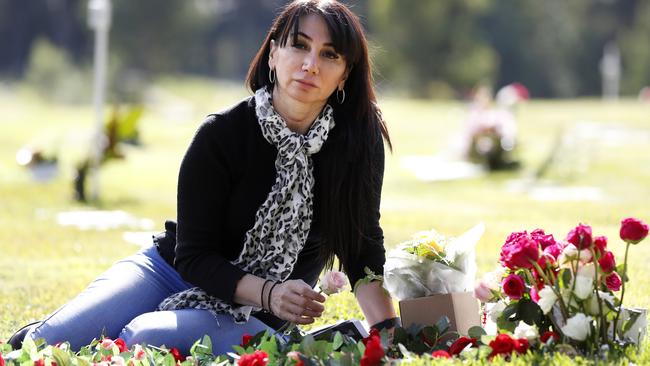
547, 299
584, 287
569, 253
494, 310
588, 270
585, 256
592, 304
333, 282
578, 327
529, 332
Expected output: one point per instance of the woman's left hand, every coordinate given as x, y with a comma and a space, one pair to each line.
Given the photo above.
296, 302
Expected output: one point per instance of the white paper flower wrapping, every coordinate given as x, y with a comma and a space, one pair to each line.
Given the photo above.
407, 276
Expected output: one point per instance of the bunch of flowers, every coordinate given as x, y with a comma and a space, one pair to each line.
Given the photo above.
431, 264
567, 291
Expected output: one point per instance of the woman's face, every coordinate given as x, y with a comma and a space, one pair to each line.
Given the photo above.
309, 70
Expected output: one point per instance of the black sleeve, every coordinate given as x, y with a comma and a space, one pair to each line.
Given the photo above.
204, 184
373, 254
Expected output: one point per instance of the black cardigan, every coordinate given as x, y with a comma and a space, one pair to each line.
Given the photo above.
226, 174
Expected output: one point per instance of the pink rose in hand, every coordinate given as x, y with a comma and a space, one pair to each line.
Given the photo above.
333, 282
633, 230
519, 252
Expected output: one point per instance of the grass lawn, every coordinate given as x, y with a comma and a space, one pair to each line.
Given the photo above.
43, 264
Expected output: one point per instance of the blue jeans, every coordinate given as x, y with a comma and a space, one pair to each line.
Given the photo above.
122, 302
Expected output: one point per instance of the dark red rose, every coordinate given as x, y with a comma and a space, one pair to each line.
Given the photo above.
245, 339
521, 345
121, 345
441, 353
177, 355
503, 344
633, 230
460, 345
613, 282
607, 262
373, 333
600, 244
547, 335
374, 352
514, 286
39, 362
259, 358
519, 253
580, 236
542, 239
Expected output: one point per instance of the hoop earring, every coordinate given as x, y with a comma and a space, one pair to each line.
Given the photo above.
272, 75
340, 98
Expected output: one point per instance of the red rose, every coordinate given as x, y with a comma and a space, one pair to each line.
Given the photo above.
121, 345
521, 345
580, 236
441, 353
503, 344
633, 230
259, 358
374, 352
607, 262
245, 339
553, 251
177, 355
373, 333
514, 286
613, 282
542, 239
519, 252
2, 360
40, 362
600, 244
547, 335
460, 345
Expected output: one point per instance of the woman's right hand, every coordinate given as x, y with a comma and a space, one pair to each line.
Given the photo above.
296, 302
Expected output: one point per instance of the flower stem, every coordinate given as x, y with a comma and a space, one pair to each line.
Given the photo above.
601, 319
563, 308
620, 305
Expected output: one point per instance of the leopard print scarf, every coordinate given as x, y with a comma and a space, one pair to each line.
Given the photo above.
282, 222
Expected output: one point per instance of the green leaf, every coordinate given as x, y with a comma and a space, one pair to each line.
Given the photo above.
338, 341
476, 332
529, 312
506, 324
565, 278
307, 345
60, 356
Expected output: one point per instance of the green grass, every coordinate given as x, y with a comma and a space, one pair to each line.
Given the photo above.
42, 265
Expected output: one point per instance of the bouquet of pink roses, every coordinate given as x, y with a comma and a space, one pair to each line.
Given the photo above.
569, 288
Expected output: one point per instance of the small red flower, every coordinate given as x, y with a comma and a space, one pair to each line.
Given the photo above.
600, 244
514, 286
121, 345
245, 339
460, 344
2, 360
521, 345
613, 282
548, 335
607, 262
503, 344
633, 230
373, 333
259, 358
40, 362
580, 236
177, 355
374, 352
441, 353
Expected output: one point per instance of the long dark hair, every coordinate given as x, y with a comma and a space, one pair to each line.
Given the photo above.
346, 180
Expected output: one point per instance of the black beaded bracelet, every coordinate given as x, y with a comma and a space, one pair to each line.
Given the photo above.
388, 323
268, 302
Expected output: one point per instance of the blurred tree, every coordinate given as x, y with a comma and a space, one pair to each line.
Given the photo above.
426, 44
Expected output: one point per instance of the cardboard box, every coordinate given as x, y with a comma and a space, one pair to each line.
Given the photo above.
462, 309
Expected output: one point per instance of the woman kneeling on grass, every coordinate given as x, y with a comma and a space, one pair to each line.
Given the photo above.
269, 192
